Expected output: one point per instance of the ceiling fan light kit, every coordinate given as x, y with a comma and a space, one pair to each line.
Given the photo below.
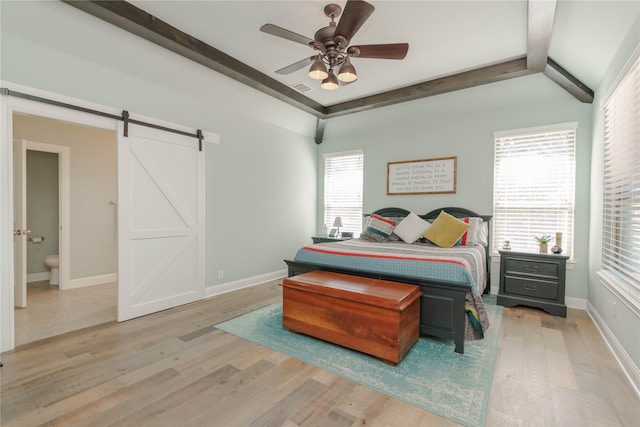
347, 72
318, 70
331, 82
332, 42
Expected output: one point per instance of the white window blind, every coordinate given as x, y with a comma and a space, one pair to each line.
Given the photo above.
621, 186
343, 178
533, 188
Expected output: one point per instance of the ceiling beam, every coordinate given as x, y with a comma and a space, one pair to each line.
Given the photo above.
472, 78
322, 123
568, 82
541, 14
540, 18
135, 20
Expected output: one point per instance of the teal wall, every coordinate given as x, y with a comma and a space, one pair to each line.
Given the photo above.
261, 199
261, 178
621, 318
460, 125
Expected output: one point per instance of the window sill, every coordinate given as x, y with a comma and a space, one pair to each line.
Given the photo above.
623, 291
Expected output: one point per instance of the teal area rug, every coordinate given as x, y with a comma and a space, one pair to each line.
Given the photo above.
431, 376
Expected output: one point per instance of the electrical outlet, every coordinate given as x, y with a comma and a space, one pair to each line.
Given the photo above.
220, 274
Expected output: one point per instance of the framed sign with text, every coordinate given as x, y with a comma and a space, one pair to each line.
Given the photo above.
428, 176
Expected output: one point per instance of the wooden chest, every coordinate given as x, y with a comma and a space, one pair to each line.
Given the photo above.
377, 317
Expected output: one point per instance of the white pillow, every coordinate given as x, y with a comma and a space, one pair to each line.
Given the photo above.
478, 234
411, 228
483, 234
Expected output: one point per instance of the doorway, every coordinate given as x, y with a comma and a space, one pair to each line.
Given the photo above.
64, 155
152, 169
43, 213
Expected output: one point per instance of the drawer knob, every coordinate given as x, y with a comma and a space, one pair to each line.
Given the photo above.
532, 268
530, 287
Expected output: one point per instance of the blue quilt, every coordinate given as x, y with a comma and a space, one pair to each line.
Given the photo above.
462, 264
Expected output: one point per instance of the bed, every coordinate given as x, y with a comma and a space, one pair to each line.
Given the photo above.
451, 280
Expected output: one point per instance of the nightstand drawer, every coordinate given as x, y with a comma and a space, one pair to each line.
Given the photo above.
531, 287
532, 268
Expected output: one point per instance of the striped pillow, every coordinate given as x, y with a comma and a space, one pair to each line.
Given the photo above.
477, 233
377, 228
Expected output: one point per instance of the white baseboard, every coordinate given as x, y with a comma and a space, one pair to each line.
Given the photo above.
579, 303
223, 288
92, 280
38, 277
628, 367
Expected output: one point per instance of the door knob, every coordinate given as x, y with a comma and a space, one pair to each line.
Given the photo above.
17, 232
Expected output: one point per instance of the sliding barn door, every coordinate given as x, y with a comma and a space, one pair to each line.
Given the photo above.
160, 221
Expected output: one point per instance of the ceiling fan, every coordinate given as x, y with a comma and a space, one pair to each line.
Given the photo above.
332, 44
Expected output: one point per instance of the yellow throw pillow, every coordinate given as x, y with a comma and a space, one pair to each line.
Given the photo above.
446, 230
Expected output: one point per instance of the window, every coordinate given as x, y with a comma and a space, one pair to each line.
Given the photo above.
343, 176
533, 186
621, 186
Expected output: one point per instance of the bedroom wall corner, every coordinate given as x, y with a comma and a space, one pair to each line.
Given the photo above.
261, 204
462, 124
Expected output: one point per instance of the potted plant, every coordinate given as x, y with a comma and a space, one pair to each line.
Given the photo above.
543, 241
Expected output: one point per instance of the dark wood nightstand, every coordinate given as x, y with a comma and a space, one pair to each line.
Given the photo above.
533, 279
324, 239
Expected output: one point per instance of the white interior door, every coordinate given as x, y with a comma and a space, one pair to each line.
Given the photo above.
161, 202
20, 231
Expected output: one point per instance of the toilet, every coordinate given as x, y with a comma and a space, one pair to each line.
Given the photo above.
53, 263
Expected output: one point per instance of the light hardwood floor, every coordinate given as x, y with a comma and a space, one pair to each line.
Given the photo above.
175, 369
52, 312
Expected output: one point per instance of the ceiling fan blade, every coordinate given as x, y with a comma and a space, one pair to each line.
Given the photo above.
380, 51
296, 66
355, 13
274, 30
